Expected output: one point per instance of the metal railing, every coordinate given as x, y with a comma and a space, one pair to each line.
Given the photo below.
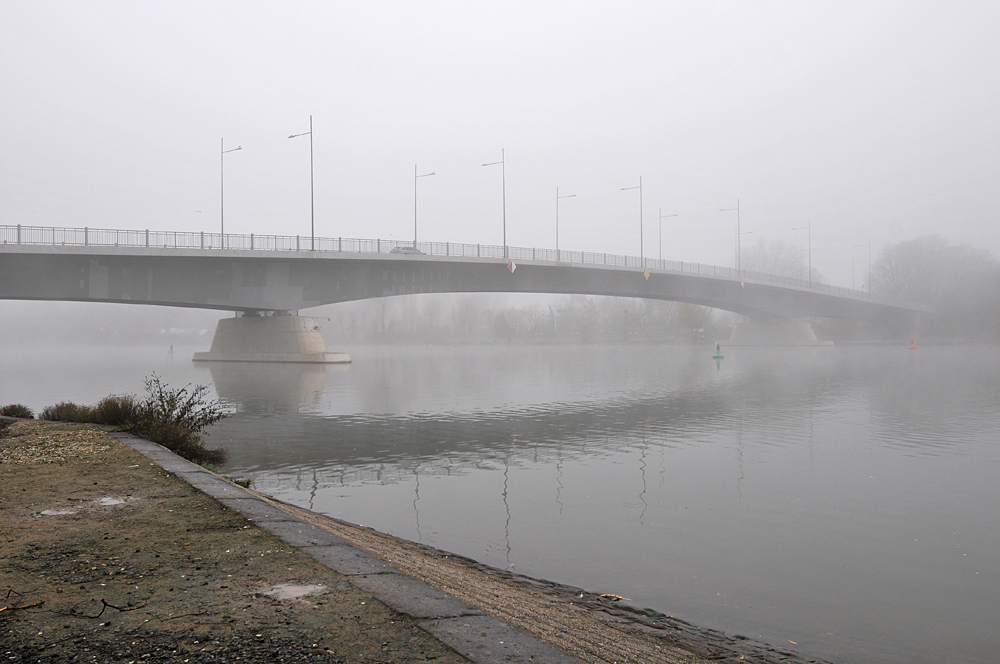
110, 237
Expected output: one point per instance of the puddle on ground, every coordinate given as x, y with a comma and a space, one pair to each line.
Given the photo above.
106, 501
292, 591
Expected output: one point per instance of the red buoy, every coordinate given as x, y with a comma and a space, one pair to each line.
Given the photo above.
913, 346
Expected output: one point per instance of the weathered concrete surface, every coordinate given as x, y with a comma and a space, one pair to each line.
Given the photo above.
270, 339
484, 638
412, 597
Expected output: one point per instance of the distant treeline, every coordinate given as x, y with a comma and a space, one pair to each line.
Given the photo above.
469, 318
961, 284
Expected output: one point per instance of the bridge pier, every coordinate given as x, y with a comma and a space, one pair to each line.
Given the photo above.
774, 332
270, 338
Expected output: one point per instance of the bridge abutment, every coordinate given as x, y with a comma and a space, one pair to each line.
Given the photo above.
774, 332
270, 339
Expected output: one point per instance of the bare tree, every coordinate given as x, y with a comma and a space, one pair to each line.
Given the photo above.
961, 283
777, 257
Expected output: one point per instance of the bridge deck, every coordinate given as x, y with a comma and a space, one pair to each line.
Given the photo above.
273, 272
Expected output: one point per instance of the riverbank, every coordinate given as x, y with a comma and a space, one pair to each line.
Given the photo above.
108, 557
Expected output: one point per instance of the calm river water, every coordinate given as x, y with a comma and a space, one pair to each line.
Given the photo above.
841, 498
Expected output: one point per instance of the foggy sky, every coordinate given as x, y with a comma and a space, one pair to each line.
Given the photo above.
870, 118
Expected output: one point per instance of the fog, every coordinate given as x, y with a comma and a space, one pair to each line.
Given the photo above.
869, 120
412, 319
840, 497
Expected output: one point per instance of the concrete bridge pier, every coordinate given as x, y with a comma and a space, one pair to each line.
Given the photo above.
270, 337
774, 332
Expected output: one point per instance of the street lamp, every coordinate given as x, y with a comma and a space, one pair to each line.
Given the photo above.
222, 188
558, 197
737, 243
662, 217
739, 265
312, 199
808, 229
503, 184
415, 176
640, 216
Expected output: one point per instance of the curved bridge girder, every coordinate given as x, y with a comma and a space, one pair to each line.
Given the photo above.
290, 281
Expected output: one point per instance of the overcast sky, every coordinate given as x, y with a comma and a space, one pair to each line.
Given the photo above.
877, 119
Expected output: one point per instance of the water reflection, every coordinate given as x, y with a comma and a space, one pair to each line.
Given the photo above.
773, 400
263, 387
795, 487
842, 498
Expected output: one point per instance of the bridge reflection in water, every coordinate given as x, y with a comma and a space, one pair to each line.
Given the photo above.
263, 387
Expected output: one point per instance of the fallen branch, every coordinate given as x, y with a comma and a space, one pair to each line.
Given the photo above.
18, 608
126, 608
104, 606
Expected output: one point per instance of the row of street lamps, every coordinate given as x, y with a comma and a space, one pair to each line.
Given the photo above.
503, 175
312, 198
416, 176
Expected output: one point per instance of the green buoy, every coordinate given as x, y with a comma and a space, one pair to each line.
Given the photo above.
718, 353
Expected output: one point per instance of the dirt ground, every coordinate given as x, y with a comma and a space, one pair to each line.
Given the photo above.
105, 557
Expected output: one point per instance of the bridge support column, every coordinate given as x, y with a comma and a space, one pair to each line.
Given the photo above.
774, 332
270, 339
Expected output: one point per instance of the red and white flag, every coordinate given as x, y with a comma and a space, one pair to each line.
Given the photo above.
511, 266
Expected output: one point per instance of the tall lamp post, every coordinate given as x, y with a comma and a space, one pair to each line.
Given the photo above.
737, 243
662, 217
808, 229
222, 189
558, 198
639, 187
503, 184
415, 176
312, 199
739, 263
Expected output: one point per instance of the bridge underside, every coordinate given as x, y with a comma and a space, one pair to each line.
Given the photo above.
248, 282
252, 282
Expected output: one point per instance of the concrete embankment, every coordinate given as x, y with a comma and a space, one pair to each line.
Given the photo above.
118, 550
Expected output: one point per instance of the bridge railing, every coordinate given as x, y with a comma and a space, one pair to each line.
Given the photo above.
109, 237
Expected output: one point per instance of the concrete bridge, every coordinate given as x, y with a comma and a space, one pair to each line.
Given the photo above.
260, 276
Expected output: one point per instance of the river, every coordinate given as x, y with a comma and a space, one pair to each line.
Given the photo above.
837, 501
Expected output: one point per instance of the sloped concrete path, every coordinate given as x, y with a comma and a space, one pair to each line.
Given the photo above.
485, 614
482, 638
